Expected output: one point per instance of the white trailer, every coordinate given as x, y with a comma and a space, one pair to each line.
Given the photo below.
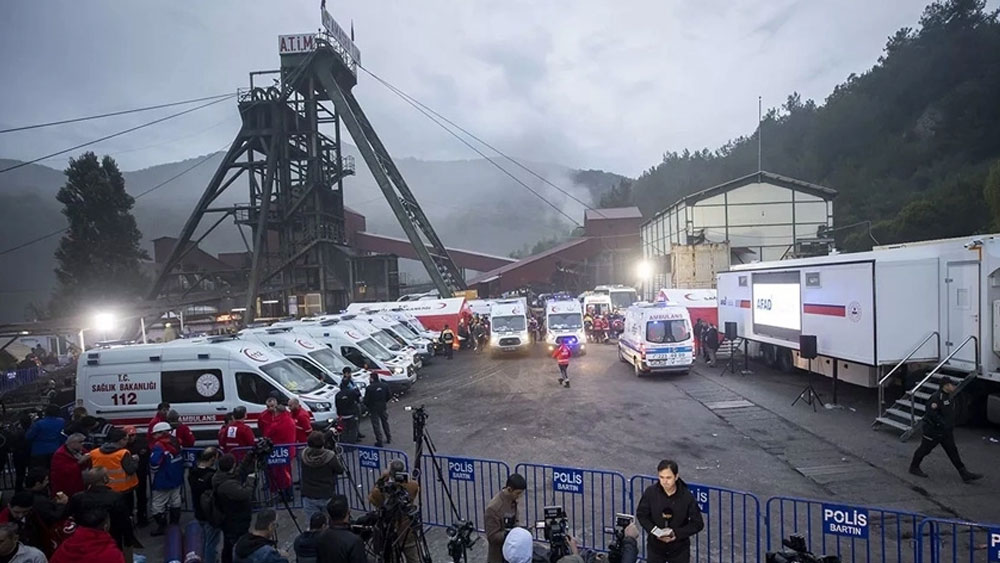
879, 314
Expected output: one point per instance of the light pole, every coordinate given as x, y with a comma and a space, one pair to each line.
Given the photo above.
644, 270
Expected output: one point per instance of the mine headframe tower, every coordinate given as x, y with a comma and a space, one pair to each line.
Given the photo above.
289, 147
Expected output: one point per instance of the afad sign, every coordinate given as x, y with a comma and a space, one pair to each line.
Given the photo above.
846, 521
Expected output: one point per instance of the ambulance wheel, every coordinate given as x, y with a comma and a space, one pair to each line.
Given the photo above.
783, 361
638, 372
621, 357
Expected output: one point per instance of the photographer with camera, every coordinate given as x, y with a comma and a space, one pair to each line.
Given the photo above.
501, 516
670, 516
395, 496
338, 544
320, 468
233, 498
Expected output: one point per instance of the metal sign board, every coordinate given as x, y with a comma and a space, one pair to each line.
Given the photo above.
298, 43
368, 457
280, 455
461, 469
567, 480
994, 545
848, 521
341, 37
701, 497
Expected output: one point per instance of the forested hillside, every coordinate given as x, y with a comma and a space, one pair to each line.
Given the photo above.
908, 144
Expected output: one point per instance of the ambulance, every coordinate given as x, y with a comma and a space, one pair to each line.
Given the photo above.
657, 338
509, 325
318, 359
433, 313
401, 333
202, 379
390, 342
359, 349
564, 323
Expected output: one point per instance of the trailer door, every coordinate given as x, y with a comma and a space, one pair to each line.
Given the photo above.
962, 283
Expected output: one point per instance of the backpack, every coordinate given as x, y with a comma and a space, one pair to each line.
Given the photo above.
211, 509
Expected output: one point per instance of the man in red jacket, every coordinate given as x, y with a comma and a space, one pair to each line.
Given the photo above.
90, 541
180, 431
562, 356
68, 463
281, 431
266, 418
237, 435
303, 421
162, 410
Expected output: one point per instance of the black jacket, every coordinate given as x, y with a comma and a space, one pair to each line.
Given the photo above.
248, 546
338, 544
199, 481
679, 512
235, 500
101, 496
377, 396
711, 336
939, 419
306, 547
347, 400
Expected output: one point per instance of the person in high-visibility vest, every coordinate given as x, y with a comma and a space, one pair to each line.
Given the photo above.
120, 464
449, 341
562, 355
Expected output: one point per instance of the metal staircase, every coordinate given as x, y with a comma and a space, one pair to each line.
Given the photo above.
906, 413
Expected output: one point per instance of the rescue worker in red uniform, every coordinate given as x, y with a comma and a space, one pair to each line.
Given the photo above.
303, 420
281, 431
562, 355
237, 435
180, 431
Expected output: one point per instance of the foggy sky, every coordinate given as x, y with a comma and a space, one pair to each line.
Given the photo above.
584, 83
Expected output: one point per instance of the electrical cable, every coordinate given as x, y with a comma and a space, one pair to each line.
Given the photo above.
481, 141
473, 148
150, 190
118, 134
112, 114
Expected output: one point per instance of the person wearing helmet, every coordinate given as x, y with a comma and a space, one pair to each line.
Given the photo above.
167, 466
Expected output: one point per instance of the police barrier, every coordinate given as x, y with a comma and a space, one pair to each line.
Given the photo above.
591, 498
472, 483
857, 534
732, 522
365, 465
956, 541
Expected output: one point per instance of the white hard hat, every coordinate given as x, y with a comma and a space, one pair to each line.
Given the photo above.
162, 427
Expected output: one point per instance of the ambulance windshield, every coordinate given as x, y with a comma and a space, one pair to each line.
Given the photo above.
662, 332
291, 376
331, 360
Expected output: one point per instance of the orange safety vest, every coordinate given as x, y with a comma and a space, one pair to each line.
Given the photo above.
120, 481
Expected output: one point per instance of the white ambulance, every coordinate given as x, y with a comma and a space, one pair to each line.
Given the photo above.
390, 342
423, 347
657, 338
359, 349
202, 379
315, 357
564, 323
509, 325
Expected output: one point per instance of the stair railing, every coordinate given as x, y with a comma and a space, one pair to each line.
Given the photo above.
911, 392
885, 378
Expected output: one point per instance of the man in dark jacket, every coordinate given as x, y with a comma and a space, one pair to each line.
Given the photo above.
233, 498
501, 516
699, 330
200, 480
377, 398
320, 468
258, 546
338, 544
305, 544
711, 336
98, 495
669, 514
939, 428
346, 403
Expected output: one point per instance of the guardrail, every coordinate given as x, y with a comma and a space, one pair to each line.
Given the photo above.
471, 482
956, 541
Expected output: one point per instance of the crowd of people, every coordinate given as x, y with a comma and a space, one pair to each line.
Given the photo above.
475, 334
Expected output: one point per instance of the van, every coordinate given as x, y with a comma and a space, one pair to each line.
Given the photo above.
422, 346
596, 304
509, 325
202, 379
413, 323
564, 323
389, 341
321, 361
657, 338
359, 349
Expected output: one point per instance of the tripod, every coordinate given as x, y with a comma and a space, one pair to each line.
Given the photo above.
260, 462
333, 443
809, 395
461, 531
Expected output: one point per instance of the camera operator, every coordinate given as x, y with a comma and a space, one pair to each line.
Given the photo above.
233, 498
346, 402
320, 468
501, 515
384, 486
519, 547
338, 544
670, 516
259, 546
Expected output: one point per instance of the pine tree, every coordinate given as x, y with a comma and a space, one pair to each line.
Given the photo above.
99, 256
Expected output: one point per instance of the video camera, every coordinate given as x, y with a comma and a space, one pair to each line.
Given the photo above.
622, 521
397, 497
460, 538
261, 449
555, 530
798, 552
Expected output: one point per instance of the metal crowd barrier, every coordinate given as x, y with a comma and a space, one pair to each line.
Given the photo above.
857, 534
14, 378
732, 522
955, 541
472, 482
591, 498
365, 464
